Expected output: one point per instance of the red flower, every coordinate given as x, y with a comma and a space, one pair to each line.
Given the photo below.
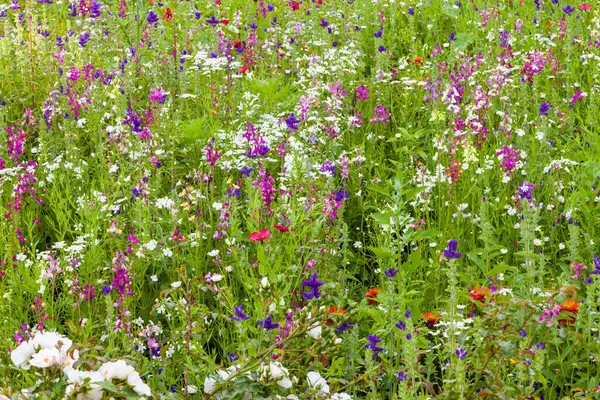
282, 228
585, 7
431, 319
225, 21
243, 70
372, 294
260, 236
168, 15
479, 293
294, 5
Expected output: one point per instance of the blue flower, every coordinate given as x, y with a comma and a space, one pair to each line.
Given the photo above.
401, 325
344, 327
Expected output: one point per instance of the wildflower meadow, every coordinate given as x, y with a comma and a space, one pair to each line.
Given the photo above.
315, 199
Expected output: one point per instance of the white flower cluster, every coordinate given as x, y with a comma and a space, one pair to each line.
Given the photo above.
52, 350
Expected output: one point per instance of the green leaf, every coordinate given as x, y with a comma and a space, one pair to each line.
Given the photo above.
382, 252
425, 235
381, 219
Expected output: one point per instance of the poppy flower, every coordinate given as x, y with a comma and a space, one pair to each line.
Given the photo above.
372, 294
260, 236
294, 5
225, 21
282, 228
585, 7
431, 319
168, 15
479, 293
572, 307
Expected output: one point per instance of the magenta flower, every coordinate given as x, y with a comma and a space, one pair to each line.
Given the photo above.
381, 114
158, 95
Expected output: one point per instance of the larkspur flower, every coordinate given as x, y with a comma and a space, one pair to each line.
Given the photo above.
240, 315
391, 272
268, 323
313, 285
372, 345
450, 251
461, 353
544, 108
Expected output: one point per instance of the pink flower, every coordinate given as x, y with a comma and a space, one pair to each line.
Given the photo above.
260, 236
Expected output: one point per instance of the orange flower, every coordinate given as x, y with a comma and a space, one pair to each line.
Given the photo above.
572, 307
479, 293
335, 312
431, 319
372, 294
417, 60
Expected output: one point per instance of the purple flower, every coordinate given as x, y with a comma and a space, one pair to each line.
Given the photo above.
240, 315
407, 314
379, 33
84, 38
152, 17
95, 10
292, 122
268, 324
233, 357
451, 252
344, 327
313, 284
544, 108
213, 21
504, 36
246, 171
411, 11
452, 37
390, 272
382, 49
158, 95
540, 345
523, 333
401, 325
568, 10
596, 270
372, 345
106, 290
197, 15
401, 375
461, 353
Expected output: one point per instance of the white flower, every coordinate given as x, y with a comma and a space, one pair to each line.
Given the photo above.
316, 381
264, 282
134, 380
175, 285
217, 206
77, 378
340, 396
216, 277
337, 341
213, 253
45, 358
537, 242
315, 332
22, 354
115, 370
209, 385
275, 371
